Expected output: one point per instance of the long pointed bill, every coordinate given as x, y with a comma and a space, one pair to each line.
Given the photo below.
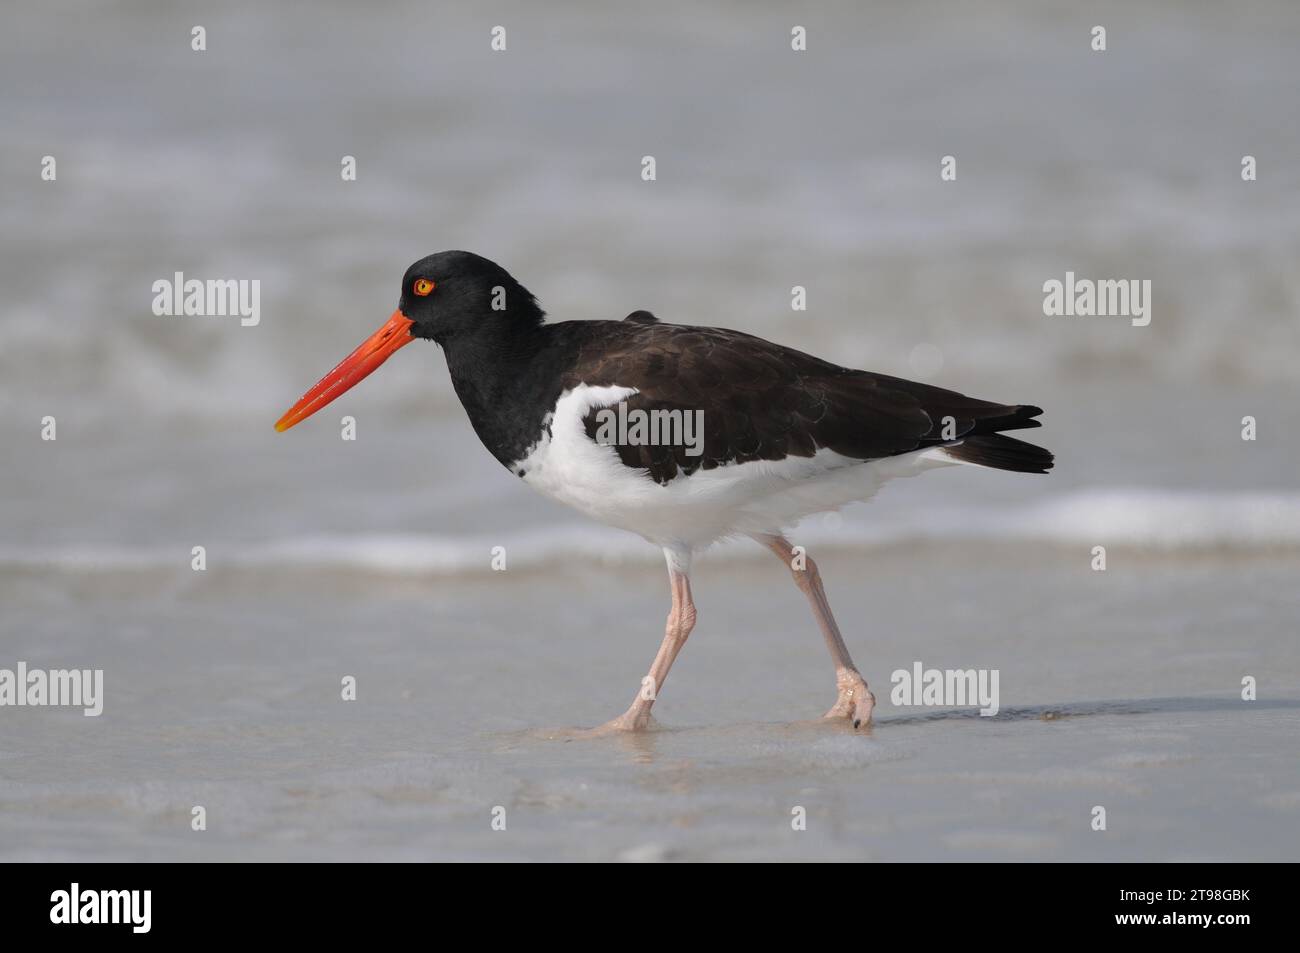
352, 370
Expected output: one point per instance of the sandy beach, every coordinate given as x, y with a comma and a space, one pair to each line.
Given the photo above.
1108, 697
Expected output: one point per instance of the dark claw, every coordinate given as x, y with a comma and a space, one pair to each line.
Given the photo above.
856, 722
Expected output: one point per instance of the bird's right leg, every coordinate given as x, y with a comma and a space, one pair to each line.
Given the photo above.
855, 700
681, 619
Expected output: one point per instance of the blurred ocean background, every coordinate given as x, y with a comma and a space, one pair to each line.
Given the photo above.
775, 169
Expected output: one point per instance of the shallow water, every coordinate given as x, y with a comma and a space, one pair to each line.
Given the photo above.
1117, 689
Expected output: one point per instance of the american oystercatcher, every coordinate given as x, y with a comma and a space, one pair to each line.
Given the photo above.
783, 434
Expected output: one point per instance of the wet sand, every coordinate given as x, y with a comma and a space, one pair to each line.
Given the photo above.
1118, 689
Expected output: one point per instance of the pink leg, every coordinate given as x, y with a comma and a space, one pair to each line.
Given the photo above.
681, 619
855, 700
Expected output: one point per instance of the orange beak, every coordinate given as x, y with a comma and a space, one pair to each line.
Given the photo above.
352, 370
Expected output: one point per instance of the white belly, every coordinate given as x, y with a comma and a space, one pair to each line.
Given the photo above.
751, 498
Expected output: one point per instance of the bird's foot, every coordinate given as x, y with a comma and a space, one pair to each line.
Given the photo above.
634, 719
855, 702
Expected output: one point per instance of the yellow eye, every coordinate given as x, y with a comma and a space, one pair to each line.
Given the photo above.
422, 286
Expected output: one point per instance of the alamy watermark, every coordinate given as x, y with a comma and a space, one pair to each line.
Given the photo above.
216, 297
946, 688
129, 907
55, 688
635, 427
1109, 297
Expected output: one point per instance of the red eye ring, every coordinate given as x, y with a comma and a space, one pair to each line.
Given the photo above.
423, 286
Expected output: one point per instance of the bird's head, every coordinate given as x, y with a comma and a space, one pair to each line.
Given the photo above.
453, 293
447, 297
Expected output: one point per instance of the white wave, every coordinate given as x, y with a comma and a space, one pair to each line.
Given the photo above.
1153, 520
1141, 517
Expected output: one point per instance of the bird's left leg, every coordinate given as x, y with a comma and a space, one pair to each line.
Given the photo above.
855, 700
681, 619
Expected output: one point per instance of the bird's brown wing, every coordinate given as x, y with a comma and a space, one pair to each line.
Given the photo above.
763, 401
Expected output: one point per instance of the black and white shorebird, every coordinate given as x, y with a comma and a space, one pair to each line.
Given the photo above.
783, 434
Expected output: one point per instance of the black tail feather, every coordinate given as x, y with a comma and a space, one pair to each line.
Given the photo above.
1020, 417
1003, 453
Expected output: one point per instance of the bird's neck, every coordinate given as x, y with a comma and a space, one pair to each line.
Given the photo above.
496, 375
